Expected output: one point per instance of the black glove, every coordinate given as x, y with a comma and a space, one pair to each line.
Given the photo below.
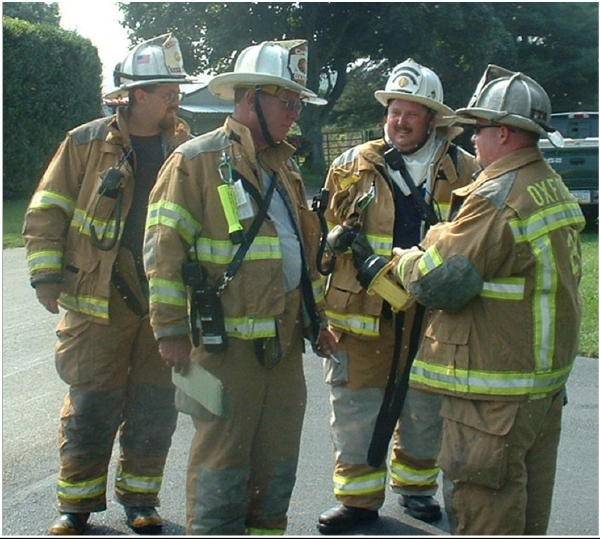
340, 237
361, 249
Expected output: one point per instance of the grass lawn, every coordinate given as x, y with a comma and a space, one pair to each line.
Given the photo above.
12, 220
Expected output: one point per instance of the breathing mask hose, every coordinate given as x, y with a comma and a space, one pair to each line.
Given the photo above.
319, 204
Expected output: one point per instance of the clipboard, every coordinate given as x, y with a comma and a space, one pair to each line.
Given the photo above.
202, 386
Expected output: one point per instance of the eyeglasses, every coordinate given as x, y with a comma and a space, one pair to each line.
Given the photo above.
479, 127
291, 106
171, 97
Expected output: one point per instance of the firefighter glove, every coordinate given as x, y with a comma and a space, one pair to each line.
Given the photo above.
361, 249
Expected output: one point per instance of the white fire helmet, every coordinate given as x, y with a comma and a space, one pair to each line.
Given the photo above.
279, 63
414, 82
513, 99
157, 60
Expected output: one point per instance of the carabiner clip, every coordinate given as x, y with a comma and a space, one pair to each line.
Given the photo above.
225, 175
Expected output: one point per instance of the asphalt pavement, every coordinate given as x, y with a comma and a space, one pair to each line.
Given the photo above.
32, 395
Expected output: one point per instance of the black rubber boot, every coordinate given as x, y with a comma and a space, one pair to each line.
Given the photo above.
343, 518
424, 508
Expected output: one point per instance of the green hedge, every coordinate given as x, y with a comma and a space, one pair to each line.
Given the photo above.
52, 83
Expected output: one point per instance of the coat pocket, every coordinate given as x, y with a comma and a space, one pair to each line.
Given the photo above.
474, 440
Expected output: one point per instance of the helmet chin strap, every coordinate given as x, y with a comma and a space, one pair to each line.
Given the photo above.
261, 120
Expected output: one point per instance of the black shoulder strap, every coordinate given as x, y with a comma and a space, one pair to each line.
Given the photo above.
263, 205
394, 158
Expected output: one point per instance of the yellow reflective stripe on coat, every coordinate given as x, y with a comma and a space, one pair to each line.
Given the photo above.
356, 486
138, 483
223, 251
475, 382
89, 305
508, 288
45, 261
430, 260
409, 476
535, 230
48, 199
545, 221
250, 328
167, 292
81, 489
382, 244
82, 222
354, 323
174, 216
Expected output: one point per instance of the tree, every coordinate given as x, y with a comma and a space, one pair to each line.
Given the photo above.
212, 34
33, 12
554, 42
52, 81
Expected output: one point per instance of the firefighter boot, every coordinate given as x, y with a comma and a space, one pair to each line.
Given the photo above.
143, 520
343, 518
69, 524
424, 508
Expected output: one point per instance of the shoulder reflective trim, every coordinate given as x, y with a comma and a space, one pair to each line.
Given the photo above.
413, 477
81, 489
382, 243
89, 305
265, 531
213, 141
496, 191
345, 158
104, 229
473, 382
49, 199
44, 261
223, 251
138, 483
354, 323
546, 220
430, 260
509, 288
247, 328
174, 216
544, 303
167, 292
362, 484
94, 130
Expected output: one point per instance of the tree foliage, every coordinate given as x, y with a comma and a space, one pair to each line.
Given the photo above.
52, 82
455, 39
33, 12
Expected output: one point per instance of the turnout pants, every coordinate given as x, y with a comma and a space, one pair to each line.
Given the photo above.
117, 384
242, 465
499, 461
358, 376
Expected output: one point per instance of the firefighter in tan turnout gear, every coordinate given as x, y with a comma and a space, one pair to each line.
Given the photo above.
231, 242
84, 232
369, 187
502, 278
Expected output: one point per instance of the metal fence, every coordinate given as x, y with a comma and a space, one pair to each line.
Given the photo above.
336, 143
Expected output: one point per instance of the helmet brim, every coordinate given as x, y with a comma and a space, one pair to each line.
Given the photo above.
469, 115
123, 90
385, 97
224, 85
